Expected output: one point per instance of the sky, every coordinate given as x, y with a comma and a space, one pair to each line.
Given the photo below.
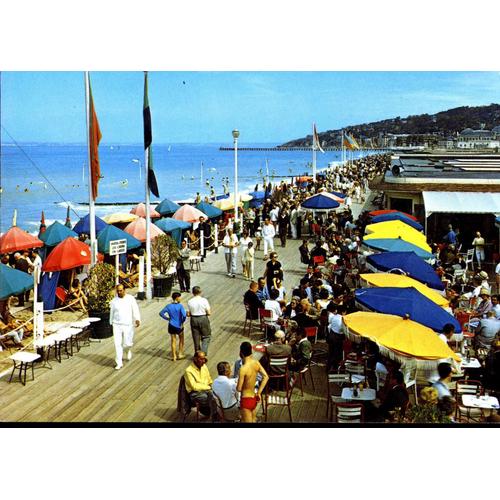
201, 107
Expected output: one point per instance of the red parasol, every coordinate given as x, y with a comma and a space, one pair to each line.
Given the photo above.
140, 210
383, 212
15, 239
69, 254
137, 229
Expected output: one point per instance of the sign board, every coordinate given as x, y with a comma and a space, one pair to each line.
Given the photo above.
117, 247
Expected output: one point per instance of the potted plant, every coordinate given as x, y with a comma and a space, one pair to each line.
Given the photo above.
100, 292
164, 254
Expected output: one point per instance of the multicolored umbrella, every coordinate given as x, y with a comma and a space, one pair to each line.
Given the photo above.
83, 225
68, 254
406, 302
140, 210
397, 245
403, 337
111, 233
398, 216
408, 262
167, 207
321, 201
13, 282
137, 229
376, 213
15, 240
56, 233
412, 239
398, 281
188, 213
394, 227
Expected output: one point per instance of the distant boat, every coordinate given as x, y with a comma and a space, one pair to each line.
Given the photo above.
169, 148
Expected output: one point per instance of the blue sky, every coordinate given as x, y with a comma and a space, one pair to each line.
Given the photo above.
205, 106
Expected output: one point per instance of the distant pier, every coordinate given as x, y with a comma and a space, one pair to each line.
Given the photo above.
278, 148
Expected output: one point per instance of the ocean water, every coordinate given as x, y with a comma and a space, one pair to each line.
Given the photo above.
177, 167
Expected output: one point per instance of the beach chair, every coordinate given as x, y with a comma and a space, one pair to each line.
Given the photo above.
62, 296
334, 384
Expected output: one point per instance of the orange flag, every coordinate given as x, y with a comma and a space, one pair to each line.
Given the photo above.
94, 138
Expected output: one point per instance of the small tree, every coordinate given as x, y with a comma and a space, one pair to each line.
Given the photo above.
164, 253
101, 287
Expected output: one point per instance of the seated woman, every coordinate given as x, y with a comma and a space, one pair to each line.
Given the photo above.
292, 309
76, 295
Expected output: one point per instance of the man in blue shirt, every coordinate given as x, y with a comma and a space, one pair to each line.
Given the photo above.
176, 315
451, 237
262, 292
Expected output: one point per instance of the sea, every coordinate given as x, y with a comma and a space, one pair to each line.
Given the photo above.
51, 177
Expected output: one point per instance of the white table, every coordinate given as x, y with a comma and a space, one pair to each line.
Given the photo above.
483, 402
472, 363
54, 326
92, 319
364, 395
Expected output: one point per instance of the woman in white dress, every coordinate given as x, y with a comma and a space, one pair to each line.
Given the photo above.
244, 241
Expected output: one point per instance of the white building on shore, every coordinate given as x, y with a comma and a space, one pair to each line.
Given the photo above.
479, 139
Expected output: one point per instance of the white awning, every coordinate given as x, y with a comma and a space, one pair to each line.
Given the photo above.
461, 203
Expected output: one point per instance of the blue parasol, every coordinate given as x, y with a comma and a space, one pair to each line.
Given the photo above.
408, 262
406, 301
55, 233
397, 245
209, 210
111, 233
173, 227
83, 225
167, 207
13, 281
320, 201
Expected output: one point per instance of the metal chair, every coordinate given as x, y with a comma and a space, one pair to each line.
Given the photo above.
337, 380
248, 321
22, 361
410, 377
348, 413
275, 397
466, 386
469, 259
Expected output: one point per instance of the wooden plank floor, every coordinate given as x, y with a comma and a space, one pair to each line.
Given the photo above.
86, 388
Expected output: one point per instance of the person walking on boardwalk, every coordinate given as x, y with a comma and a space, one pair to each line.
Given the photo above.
230, 244
123, 316
246, 384
183, 270
198, 312
268, 233
176, 315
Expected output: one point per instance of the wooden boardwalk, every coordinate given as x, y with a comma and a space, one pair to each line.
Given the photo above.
86, 388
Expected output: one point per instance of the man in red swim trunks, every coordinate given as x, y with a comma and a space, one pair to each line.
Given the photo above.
246, 383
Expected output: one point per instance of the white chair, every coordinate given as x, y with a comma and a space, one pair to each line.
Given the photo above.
409, 370
338, 380
356, 370
469, 259
467, 387
381, 378
22, 360
347, 413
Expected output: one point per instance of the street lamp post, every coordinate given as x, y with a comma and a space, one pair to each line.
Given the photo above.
236, 134
136, 160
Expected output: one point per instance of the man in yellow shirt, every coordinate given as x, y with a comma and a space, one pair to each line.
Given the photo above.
199, 383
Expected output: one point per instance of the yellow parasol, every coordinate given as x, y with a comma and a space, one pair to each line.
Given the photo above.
401, 336
399, 281
119, 217
226, 203
394, 228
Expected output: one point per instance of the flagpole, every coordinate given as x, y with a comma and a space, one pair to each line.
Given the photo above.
149, 294
314, 156
93, 242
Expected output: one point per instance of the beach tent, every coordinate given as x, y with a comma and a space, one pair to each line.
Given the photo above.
120, 217
13, 282
167, 207
398, 216
68, 254
406, 302
408, 262
173, 227
376, 213
398, 281
111, 233
402, 338
140, 210
397, 245
56, 233
137, 229
211, 211
83, 225
321, 201
15, 240
188, 213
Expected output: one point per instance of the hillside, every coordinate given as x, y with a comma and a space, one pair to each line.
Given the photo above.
442, 124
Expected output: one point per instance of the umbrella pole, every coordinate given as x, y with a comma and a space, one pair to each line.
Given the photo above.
216, 237
149, 294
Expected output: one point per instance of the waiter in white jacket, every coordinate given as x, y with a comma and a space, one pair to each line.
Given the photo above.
268, 234
124, 313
